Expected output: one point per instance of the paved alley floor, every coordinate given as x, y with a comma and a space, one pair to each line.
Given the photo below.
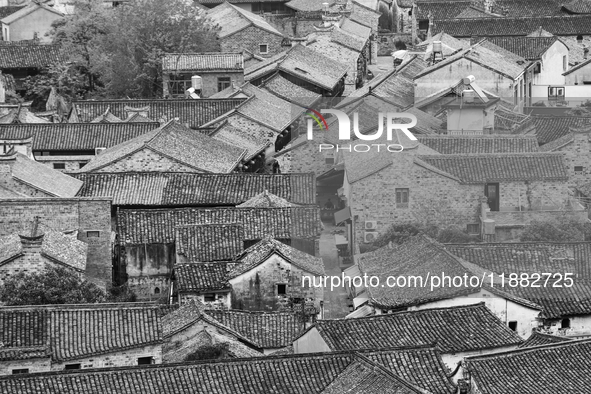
335, 301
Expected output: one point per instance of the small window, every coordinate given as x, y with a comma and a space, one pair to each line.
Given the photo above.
578, 170
80, 165
145, 360
329, 160
263, 49
281, 289
157, 290
564, 63
59, 166
19, 371
223, 83
565, 323
73, 366
513, 325
93, 234
473, 228
580, 39
401, 198
210, 297
555, 92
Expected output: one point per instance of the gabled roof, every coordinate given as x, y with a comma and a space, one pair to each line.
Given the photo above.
75, 136
209, 242
28, 56
307, 5
466, 328
203, 62
577, 6
294, 374
201, 277
540, 370
530, 48
576, 67
350, 26
41, 177
12, 17
7, 10
80, 331
157, 225
107, 117
503, 143
538, 339
476, 12
392, 87
232, 19
195, 189
178, 143
552, 128
449, 44
192, 112
265, 329
251, 135
266, 200
483, 168
261, 251
287, 90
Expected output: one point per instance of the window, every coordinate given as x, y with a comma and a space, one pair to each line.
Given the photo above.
556, 93
145, 360
178, 84
73, 366
513, 325
564, 63
59, 166
565, 323
578, 170
263, 49
223, 83
281, 289
93, 234
6, 37
401, 198
473, 228
580, 39
19, 371
209, 297
157, 290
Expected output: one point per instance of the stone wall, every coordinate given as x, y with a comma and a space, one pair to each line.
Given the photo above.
64, 214
578, 154
71, 163
146, 160
250, 39
128, 357
33, 365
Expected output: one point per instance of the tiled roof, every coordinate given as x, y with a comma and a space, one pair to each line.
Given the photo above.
195, 189
28, 56
201, 277
536, 258
358, 29
453, 330
157, 225
417, 256
232, 19
483, 168
65, 249
476, 12
420, 366
313, 67
265, 67
107, 117
348, 40
202, 62
261, 251
192, 112
209, 242
266, 329
546, 369
10, 247
186, 146
75, 136
450, 9
538, 339
530, 48
392, 87
41, 177
451, 145
266, 200
80, 331
308, 5
550, 128
287, 90
578, 6
251, 135
514, 26
294, 374
22, 353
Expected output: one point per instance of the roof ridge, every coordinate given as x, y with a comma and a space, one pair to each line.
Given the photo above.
573, 342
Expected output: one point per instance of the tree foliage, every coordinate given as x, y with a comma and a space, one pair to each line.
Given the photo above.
563, 231
399, 233
210, 352
54, 285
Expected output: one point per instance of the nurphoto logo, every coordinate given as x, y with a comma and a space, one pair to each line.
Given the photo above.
344, 124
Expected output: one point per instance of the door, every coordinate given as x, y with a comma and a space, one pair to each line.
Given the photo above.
491, 191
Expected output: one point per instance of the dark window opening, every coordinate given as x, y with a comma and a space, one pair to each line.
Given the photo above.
157, 290
580, 39
565, 323
263, 49
80, 165
93, 234
210, 297
223, 83
19, 371
513, 325
491, 191
59, 166
579, 169
473, 228
281, 289
145, 360
402, 198
179, 83
73, 366
556, 93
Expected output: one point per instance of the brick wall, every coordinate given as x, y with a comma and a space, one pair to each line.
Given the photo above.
72, 163
256, 289
250, 39
222, 301
10, 183
33, 365
116, 359
368, 15
304, 157
578, 154
146, 160
65, 214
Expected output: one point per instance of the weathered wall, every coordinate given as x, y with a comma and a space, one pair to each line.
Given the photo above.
38, 21
72, 163
310, 342
552, 66
256, 289
578, 154
148, 268
249, 39
146, 160
33, 365
121, 358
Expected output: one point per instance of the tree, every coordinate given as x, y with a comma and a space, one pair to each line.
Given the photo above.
54, 285
129, 55
399, 233
210, 352
562, 231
